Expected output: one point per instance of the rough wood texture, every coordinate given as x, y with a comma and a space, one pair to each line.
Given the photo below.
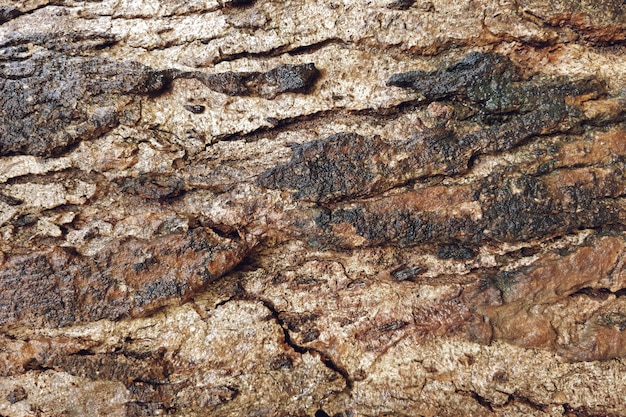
312, 208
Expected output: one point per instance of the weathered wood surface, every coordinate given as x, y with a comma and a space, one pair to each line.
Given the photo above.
351, 208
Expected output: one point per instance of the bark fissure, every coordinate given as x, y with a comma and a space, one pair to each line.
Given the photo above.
323, 357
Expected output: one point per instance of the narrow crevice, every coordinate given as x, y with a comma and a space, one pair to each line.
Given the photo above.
9, 13
331, 115
478, 398
516, 398
66, 174
584, 411
511, 400
314, 47
324, 358
598, 293
84, 352
281, 50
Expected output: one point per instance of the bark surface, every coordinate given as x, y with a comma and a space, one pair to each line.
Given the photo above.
312, 208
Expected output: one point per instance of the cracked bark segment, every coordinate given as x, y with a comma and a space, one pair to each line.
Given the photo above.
144, 373
52, 101
346, 166
194, 373
401, 4
127, 278
77, 42
548, 303
319, 319
10, 10
383, 323
135, 369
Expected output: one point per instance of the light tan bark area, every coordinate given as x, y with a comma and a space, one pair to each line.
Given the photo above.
312, 208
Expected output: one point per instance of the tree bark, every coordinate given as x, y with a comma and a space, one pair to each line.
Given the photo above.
351, 208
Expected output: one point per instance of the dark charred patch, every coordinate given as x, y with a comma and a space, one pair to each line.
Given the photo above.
8, 13
400, 4
298, 322
18, 394
407, 274
478, 77
454, 251
6, 199
238, 3
195, 108
528, 207
281, 361
285, 78
495, 85
512, 111
347, 165
52, 101
291, 78
127, 278
151, 369
25, 220
309, 336
33, 364
153, 186
513, 208
324, 168
398, 226
70, 42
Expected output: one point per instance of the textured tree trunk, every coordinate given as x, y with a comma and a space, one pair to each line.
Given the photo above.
312, 208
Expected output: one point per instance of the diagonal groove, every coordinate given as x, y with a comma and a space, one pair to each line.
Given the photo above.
324, 358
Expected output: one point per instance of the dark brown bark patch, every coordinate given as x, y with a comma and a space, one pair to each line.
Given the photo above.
285, 78
127, 278
508, 111
52, 101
